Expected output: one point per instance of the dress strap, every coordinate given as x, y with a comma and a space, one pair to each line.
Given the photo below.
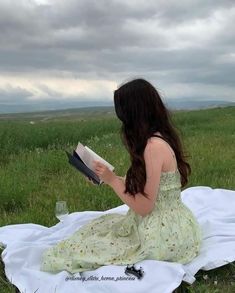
158, 136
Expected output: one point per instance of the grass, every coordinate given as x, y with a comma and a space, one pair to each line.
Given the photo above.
34, 172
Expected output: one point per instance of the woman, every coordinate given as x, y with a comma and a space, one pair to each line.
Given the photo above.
157, 225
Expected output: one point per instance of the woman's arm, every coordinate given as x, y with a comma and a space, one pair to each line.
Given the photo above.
153, 162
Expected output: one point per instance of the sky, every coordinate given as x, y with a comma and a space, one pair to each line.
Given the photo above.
54, 51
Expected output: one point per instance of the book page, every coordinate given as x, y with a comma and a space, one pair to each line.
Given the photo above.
88, 156
98, 158
84, 155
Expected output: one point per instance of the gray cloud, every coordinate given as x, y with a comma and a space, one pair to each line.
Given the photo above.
115, 39
11, 95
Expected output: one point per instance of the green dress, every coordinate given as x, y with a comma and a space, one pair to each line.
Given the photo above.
169, 233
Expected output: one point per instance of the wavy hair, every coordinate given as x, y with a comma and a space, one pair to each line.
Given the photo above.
140, 108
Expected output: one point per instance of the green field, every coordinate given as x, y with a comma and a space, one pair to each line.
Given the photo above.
34, 172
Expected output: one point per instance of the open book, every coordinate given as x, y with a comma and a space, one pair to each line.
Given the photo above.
82, 159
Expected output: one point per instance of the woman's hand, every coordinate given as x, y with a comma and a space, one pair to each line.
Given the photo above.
104, 173
89, 180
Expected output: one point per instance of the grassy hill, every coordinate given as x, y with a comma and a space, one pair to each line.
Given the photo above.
34, 172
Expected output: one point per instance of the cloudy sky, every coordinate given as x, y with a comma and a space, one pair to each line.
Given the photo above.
81, 50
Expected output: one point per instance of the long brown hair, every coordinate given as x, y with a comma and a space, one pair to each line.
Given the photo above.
140, 108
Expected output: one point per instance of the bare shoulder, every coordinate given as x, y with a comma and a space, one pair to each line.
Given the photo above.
157, 148
154, 147
159, 143
155, 144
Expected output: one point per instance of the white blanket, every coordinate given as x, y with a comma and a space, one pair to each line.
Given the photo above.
24, 244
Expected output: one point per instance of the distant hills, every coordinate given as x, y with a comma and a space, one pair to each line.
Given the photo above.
193, 104
173, 104
49, 105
